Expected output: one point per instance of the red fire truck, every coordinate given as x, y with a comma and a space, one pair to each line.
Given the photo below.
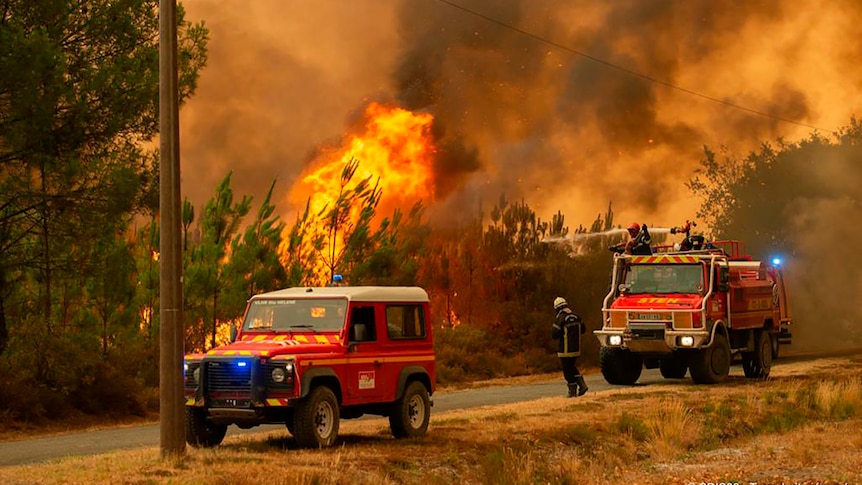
308, 357
693, 310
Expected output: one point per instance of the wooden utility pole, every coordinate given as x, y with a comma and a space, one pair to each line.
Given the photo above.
171, 405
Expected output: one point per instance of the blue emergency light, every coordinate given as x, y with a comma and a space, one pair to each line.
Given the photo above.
776, 261
241, 363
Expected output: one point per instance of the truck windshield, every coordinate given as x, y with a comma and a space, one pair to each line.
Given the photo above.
297, 315
664, 278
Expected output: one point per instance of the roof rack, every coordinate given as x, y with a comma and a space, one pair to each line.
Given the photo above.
734, 250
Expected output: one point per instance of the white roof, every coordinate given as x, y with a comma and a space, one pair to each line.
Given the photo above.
357, 293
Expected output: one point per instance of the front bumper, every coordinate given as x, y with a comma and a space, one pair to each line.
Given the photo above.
651, 339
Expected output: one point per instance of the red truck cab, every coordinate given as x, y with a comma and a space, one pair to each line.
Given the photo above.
308, 357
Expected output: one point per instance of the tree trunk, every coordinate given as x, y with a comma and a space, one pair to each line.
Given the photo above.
4, 332
215, 317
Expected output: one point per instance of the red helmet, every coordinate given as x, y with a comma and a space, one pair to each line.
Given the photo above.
634, 228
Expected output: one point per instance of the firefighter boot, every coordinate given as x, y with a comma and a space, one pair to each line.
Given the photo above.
573, 389
582, 386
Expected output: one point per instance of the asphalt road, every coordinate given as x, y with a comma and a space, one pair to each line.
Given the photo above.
94, 442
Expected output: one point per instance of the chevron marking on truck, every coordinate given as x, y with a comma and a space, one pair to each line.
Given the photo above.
664, 258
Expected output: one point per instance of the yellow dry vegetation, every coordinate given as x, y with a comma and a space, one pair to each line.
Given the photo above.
800, 426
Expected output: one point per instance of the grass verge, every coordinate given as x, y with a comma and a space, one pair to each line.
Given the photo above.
792, 429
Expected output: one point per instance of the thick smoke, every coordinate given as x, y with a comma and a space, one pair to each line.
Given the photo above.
569, 133
515, 115
822, 275
282, 79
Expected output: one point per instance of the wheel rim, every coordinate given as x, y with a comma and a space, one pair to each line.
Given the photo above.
324, 420
415, 411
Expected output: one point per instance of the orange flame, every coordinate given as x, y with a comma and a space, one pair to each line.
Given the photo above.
395, 151
393, 145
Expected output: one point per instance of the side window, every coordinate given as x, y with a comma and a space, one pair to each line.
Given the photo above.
405, 322
362, 325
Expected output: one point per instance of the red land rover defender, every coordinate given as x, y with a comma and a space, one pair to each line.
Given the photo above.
308, 357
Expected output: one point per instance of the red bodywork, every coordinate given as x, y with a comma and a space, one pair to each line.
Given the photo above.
724, 287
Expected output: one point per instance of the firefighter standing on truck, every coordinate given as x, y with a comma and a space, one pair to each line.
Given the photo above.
568, 328
638, 243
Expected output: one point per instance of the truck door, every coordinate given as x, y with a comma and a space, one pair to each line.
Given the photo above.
719, 304
364, 357
407, 341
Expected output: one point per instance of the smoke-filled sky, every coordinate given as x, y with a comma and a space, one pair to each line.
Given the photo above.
516, 115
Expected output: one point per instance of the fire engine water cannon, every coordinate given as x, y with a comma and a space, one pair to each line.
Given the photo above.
690, 242
683, 229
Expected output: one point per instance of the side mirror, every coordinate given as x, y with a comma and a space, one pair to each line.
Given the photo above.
233, 333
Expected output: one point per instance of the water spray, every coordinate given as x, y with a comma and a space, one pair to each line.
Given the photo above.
577, 242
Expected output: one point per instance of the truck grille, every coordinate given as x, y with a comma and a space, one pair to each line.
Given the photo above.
229, 375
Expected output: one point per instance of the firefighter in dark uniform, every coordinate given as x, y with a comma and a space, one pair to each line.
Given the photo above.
568, 328
638, 243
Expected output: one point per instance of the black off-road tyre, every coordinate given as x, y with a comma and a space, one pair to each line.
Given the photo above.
620, 366
757, 364
712, 364
316, 419
410, 414
673, 367
289, 423
200, 433
775, 345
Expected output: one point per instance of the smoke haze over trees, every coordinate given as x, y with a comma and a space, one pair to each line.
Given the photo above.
798, 201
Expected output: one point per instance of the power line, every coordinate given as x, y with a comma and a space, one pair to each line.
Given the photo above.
630, 71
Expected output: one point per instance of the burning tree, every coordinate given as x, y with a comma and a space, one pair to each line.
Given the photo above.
384, 166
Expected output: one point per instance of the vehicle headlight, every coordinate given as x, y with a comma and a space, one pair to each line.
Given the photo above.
686, 341
615, 340
278, 375
197, 374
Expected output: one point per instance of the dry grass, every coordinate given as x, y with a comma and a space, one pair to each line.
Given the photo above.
800, 426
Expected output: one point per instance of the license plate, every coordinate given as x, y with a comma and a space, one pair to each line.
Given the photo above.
231, 403
650, 317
